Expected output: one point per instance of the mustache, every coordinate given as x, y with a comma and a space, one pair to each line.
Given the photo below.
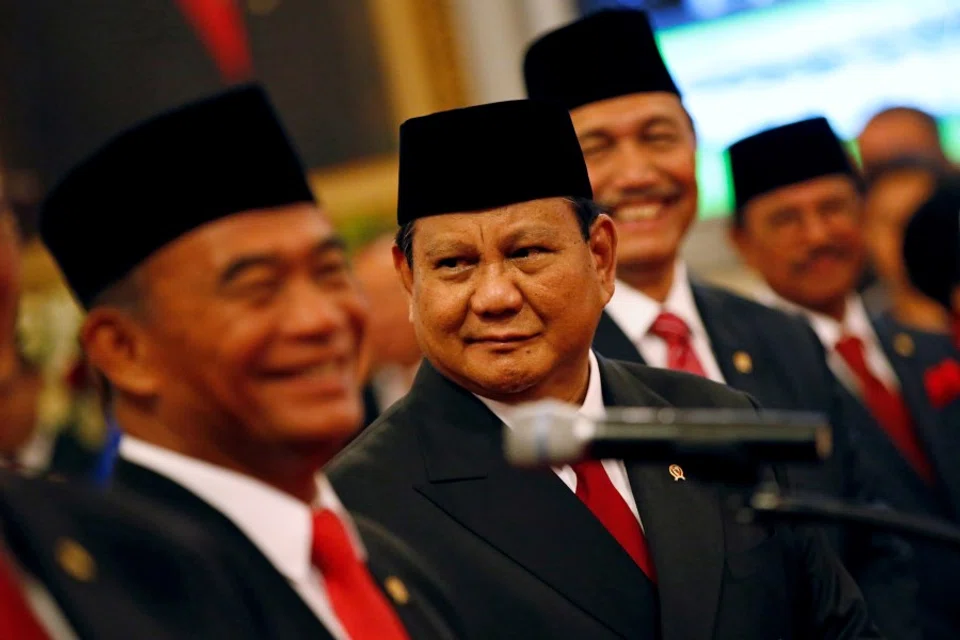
835, 251
641, 196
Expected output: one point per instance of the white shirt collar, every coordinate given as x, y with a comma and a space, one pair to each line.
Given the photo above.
856, 320
592, 403
634, 311
278, 524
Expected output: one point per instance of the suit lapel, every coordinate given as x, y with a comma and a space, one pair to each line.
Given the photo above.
910, 354
684, 522
529, 516
735, 346
272, 601
611, 342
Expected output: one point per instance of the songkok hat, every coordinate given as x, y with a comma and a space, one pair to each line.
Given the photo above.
931, 243
165, 177
488, 156
604, 55
783, 156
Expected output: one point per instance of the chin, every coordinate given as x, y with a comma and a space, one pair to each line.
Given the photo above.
321, 424
644, 255
498, 384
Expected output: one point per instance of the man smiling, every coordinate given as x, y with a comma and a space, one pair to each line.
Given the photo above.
228, 327
509, 265
799, 225
640, 148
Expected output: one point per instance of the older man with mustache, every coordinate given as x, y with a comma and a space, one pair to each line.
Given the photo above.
798, 224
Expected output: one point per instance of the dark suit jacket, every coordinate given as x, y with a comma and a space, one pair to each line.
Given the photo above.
148, 573
911, 353
371, 406
526, 559
275, 607
788, 370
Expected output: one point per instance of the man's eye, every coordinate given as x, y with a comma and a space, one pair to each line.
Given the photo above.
451, 263
332, 268
594, 148
661, 137
529, 252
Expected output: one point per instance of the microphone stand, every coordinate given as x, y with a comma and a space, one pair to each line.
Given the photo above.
768, 502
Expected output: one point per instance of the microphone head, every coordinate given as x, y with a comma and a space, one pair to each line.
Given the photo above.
546, 432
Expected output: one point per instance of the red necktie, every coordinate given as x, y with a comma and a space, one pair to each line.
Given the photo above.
887, 407
16, 619
359, 604
680, 354
596, 491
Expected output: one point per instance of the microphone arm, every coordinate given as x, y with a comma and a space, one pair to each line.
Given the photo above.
769, 503
730, 447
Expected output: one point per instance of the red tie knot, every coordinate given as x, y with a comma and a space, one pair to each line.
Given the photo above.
853, 351
671, 328
332, 549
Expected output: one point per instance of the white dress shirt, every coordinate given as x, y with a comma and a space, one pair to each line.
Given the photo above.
278, 524
856, 323
592, 406
634, 312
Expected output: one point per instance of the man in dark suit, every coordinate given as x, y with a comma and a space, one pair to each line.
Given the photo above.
65, 569
228, 327
640, 148
509, 265
799, 225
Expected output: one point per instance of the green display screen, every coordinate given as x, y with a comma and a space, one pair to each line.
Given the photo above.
844, 59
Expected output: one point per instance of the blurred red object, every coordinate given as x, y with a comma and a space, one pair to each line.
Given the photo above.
16, 619
221, 28
78, 376
943, 383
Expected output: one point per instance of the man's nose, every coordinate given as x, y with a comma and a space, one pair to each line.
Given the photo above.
634, 169
313, 312
496, 293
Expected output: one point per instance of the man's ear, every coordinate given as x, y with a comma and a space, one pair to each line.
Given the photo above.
404, 271
118, 347
603, 248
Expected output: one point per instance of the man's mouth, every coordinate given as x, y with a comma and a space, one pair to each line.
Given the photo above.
639, 212
501, 338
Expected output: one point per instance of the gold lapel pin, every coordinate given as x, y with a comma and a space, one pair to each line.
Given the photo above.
903, 345
676, 472
397, 590
743, 362
75, 560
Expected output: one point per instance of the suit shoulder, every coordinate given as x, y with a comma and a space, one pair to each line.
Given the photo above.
681, 389
392, 436
735, 303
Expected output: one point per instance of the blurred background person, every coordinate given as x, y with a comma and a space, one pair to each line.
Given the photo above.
641, 149
931, 246
894, 191
898, 132
393, 352
800, 210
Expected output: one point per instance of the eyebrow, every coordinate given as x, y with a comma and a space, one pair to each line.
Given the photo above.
605, 132
446, 247
244, 263
535, 234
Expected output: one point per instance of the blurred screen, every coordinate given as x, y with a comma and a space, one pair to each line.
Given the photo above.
747, 65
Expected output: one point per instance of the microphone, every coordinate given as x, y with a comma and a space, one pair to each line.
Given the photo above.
552, 433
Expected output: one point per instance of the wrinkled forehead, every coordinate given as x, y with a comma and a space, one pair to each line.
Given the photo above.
281, 232
801, 195
545, 216
625, 114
